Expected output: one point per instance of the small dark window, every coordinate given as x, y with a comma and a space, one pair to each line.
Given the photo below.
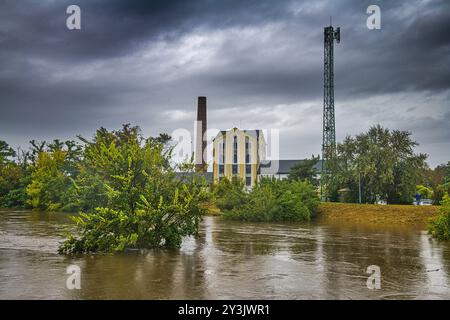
223, 152
235, 168
235, 151
221, 169
248, 181
248, 169
247, 150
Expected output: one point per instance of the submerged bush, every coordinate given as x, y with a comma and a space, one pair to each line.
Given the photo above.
152, 225
135, 199
275, 200
439, 227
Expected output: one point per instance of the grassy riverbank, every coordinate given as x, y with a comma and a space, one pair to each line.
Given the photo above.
377, 214
366, 213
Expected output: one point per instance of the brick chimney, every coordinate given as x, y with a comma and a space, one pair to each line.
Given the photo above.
200, 144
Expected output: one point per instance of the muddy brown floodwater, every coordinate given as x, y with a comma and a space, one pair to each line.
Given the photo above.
228, 260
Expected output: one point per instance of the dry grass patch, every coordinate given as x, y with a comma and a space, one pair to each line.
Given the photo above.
212, 209
377, 214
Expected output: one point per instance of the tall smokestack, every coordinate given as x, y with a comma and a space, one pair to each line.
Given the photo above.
200, 145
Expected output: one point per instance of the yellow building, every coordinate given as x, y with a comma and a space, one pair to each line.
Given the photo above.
238, 154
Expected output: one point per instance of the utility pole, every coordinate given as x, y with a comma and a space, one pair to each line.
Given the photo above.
329, 126
359, 186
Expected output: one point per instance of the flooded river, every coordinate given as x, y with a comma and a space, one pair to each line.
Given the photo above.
228, 260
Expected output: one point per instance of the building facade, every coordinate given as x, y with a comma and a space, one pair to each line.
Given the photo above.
237, 154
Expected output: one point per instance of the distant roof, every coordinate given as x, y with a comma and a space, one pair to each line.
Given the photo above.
253, 132
283, 166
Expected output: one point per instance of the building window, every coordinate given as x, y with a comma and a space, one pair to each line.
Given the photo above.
248, 169
235, 169
248, 181
235, 150
220, 153
247, 150
223, 151
221, 169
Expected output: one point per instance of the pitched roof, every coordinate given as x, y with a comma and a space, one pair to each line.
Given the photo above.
253, 132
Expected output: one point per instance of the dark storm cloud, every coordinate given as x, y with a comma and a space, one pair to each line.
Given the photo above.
146, 61
411, 52
115, 27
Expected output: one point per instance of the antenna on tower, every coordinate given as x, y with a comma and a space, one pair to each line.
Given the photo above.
329, 127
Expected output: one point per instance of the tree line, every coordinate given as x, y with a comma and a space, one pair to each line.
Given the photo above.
124, 185
378, 165
129, 193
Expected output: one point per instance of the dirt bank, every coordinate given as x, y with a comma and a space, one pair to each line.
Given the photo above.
377, 214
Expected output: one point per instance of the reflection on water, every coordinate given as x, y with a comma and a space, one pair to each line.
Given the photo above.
227, 260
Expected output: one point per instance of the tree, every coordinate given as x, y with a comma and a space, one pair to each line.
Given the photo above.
53, 167
447, 173
382, 162
48, 181
113, 162
425, 192
305, 171
132, 196
5, 152
229, 194
12, 177
36, 148
437, 179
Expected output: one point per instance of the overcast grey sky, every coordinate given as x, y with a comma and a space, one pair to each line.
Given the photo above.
260, 63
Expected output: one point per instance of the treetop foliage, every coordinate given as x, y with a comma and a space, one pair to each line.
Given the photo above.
382, 161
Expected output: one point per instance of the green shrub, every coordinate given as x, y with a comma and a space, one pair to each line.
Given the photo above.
439, 227
229, 194
276, 200
135, 199
439, 192
13, 179
258, 205
163, 224
15, 198
48, 181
